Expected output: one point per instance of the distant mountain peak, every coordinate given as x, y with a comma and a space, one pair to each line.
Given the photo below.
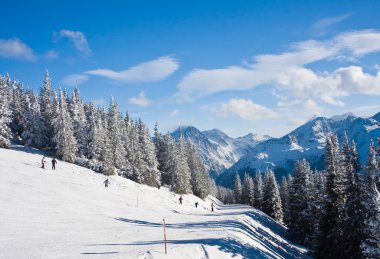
342, 116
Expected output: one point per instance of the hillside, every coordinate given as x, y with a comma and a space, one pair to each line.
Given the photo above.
68, 213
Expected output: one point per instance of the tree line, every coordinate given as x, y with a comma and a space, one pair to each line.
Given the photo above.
334, 212
102, 140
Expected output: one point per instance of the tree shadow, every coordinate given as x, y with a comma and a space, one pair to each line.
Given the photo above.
274, 248
100, 253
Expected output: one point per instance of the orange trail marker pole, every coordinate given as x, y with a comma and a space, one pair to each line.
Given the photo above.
166, 251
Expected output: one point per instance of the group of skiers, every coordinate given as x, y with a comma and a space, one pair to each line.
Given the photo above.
53, 163
196, 203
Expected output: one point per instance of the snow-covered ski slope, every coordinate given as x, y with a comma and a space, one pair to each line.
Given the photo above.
68, 213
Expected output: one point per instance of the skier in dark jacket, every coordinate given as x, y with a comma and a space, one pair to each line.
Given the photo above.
106, 182
196, 204
53, 162
180, 199
43, 162
212, 207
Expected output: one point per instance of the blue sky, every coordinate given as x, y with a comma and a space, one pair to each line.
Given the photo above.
241, 66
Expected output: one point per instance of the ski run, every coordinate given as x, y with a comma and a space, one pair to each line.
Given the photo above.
69, 213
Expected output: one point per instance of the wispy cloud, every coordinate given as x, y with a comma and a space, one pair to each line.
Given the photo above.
174, 113
321, 26
140, 100
150, 71
287, 72
16, 49
51, 54
74, 79
243, 108
77, 38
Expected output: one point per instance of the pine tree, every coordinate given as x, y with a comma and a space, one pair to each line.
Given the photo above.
168, 157
238, 189
148, 161
258, 191
65, 143
200, 180
33, 135
181, 172
353, 211
93, 133
331, 225
17, 124
46, 107
371, 206
271, 200
5, 114
284, 194
301, 221
79, 122
115, 135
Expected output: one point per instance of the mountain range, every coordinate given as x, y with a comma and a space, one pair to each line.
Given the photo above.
224, 156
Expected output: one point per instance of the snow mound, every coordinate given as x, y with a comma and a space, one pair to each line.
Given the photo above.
68, 213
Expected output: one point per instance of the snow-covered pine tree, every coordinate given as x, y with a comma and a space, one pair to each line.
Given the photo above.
245, 189
238, 189
284, 194
258, 188
200, 181
271, 200
353, 211
46, 107
331, 225
65, 143
115, 135
79, 122
371, 205
148, 161
181, 172
17, 124
301, 221
33, 135
106, 150
5, 114
160, 147
168, 157
94, 138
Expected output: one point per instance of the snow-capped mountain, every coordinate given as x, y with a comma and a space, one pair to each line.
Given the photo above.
307, 141
219, 151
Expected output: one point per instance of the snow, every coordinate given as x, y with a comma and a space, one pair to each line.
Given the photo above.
68, 213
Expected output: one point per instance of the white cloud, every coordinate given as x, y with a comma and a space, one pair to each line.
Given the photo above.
287, 72
51, 54
140, 100
150, 71
77, 38
174, 113
75, 79
320, 26
243, 108
16, 49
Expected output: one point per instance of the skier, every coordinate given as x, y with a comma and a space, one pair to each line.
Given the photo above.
43, 162
180, 199
106, 182
196, 205
53, 162
212, 207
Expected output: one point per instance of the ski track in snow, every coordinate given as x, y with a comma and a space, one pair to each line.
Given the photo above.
68, 213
